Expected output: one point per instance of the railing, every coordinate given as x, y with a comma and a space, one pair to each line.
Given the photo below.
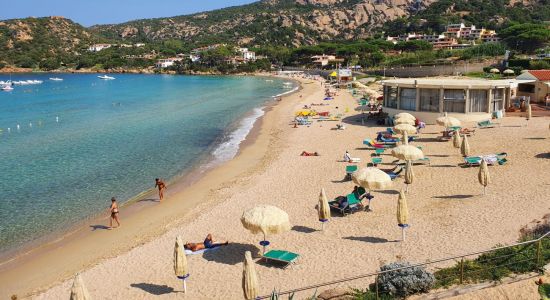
463, 270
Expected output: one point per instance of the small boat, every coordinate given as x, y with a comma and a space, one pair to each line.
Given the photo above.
105, 77
56, 79
7, 88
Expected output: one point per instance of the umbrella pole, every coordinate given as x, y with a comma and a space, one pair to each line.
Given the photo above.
402, 234
184, 286
264, 244
484, 190
407, 188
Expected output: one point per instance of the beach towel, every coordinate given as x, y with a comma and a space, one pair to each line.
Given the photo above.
189, 252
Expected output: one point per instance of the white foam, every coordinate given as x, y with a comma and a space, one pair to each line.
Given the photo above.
229, 148
285, 93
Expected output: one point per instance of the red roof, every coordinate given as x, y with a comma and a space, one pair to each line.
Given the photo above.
542, 75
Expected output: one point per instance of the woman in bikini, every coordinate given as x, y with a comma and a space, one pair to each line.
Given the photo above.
161, 186
114, 213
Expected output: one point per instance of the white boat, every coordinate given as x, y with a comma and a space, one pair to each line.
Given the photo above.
56, 79
7, 88
105, 77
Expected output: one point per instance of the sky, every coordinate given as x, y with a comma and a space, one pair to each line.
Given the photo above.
92, 12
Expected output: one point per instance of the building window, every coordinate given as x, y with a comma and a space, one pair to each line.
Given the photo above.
429, 100
526, 88
498, 99
478, 100
391, 97
454, 101
408, 99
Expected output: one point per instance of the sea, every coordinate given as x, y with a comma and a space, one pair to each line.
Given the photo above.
67, 147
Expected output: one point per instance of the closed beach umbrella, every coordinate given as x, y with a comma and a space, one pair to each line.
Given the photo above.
324, 208
447, 121
404, 115
465, 147
457, 140
404, 121
494, 70
266, 219
483, 175
250, 278
402, 213
78, 290
409, 174
180, 262
410, 129
372, 178
407, 152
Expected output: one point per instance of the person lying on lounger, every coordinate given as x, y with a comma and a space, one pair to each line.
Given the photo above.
208, 243
305, 153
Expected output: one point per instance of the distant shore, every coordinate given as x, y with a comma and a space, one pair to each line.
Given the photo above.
152, 71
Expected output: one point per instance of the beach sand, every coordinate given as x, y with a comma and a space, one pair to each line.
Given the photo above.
448, 214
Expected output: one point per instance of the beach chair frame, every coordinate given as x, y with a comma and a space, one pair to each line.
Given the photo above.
287, 262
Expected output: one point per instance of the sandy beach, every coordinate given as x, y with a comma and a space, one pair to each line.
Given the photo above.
448, 211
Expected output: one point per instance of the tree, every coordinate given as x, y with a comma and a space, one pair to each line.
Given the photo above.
526, 37
412, 46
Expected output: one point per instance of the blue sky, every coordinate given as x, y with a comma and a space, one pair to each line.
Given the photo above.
91, 12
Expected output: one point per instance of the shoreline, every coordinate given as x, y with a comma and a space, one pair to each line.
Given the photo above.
52, 246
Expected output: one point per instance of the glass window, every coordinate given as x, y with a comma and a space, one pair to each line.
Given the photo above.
391, 96
478, 100
408, 99
429, 100
454, 101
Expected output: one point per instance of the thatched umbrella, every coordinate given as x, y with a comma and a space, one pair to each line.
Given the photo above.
508, 72
457, 140
181, 269
372, 178
324, 209
447, 121
465, 147
483, 176
494, 70
409, 174
250, 278
404, 121
266, 219
407, 152
404, 115
78, 290
410, 129
402, 213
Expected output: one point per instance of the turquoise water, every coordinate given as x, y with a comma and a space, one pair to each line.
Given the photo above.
84, 140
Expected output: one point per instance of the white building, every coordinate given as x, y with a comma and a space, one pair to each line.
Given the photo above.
167, 62
247, 55
98, 47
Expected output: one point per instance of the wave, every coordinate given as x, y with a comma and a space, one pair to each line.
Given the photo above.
288, 92
229, 148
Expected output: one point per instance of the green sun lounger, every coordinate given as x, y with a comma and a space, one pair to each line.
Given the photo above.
379, 151
487, 124
281, 256
352, 206
376, 160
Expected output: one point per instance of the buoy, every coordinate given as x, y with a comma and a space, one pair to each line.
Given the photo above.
9, 130
30, 124
57, 119
18, 127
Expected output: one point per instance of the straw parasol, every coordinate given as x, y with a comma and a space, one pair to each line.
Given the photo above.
404, 121
409, 174
402, 214
447, 121
78, 290
494, 70
465, 147
324, 209
404, 115
457, 140
250, 278
483, 176
407, 152
372, 178
180, 262
404, 127
509, 72
266, 219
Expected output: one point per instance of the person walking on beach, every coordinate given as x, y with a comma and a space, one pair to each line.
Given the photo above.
114, 213
161, 186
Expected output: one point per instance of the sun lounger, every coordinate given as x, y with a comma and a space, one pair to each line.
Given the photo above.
352, 205
422, 161
395, 173
189, 252
376, 160
491, 159
379, 151
487, 124
375, 145
350, 170
282, 256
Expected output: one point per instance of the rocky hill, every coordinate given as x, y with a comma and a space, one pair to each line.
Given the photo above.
282, 22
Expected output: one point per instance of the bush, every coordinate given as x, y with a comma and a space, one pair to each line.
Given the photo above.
539, 64
406, 282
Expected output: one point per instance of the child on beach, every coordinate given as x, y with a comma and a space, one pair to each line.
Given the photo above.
114, 213
161, 186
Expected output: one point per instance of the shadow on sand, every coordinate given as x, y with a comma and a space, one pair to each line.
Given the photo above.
148, 200
154, 289
303, 229
231, 254
96, 227
369, 239
543, 155
454, 197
